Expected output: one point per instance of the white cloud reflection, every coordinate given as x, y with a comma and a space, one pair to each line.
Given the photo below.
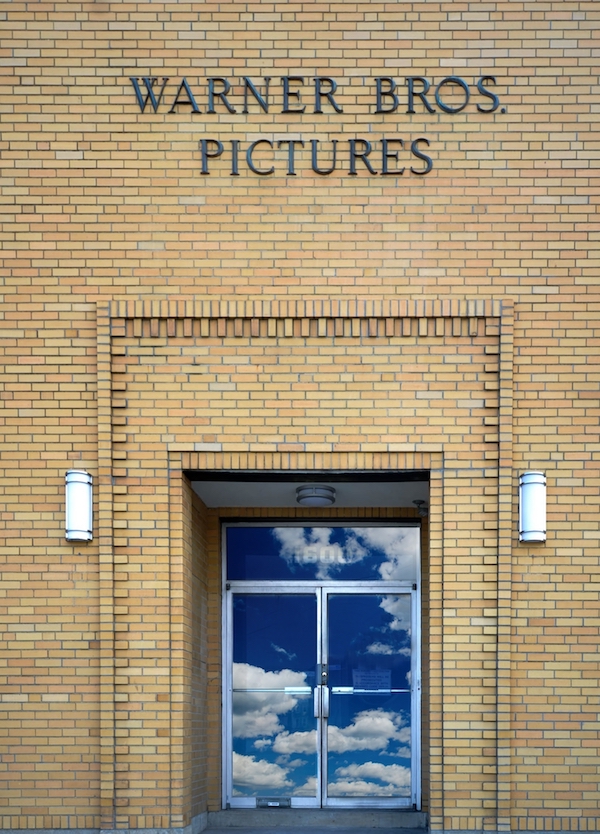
356, 780
308, 789
372, 729
262, 743
284, 652
380, 648
313, 545
257, 713
300, 742
398, 547
250, 772
257, 716
398, 607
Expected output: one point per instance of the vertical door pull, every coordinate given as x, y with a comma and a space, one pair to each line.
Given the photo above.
325, 701
317, 701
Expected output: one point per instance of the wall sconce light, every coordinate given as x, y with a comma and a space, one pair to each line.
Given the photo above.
532, 507
78, 506
315, 495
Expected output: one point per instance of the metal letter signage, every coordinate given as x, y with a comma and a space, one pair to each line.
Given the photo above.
373, 156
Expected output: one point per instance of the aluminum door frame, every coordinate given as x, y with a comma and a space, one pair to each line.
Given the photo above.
264, 589
380, 589
322, 590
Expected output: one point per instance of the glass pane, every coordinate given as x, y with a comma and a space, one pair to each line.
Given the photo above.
274, 665
323, 553
369, 727
368, 740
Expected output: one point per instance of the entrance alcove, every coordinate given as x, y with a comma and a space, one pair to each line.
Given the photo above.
364, 500
426, 390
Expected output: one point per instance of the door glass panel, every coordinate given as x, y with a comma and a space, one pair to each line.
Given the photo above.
274, 730
323, 553
369, 726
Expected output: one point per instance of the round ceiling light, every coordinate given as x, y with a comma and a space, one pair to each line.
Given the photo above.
315, 495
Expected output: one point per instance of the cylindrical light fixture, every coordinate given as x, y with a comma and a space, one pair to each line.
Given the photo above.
315, 495
532, 507
78, 506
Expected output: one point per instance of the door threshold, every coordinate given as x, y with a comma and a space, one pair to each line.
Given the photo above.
391, 820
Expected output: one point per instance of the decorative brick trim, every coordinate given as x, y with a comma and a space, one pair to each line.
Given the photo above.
106, 567
505, 539
353, 308
304, 461
355, 320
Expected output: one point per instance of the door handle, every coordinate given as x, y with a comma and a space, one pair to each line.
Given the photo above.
321, 701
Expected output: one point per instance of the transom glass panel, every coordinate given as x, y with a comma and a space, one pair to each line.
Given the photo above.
324, 552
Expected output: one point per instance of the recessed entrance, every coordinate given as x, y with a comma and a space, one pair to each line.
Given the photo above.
322, 665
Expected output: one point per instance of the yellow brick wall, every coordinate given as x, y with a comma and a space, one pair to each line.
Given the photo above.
101, 204
48, 592
101, 200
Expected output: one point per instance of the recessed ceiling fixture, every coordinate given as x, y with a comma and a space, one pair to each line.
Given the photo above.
315, 495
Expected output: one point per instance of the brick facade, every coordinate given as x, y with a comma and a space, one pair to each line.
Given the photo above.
157, 320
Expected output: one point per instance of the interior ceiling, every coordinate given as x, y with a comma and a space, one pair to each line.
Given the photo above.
282, 493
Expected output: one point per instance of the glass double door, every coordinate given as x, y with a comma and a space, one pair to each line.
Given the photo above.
321, 695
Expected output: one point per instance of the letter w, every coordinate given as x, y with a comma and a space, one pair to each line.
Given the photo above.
149, 83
